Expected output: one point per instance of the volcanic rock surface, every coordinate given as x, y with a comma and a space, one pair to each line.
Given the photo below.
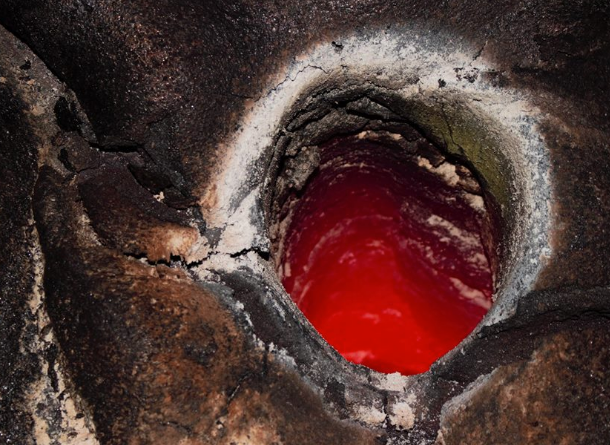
139, 299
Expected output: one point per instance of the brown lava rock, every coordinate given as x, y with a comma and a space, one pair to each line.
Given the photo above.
558, 396
118, 324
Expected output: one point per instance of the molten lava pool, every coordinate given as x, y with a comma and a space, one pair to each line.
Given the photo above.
385, 255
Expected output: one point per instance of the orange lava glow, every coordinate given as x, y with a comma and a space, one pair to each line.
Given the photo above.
385, 258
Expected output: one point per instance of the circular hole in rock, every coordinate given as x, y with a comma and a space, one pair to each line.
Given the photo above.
387, 249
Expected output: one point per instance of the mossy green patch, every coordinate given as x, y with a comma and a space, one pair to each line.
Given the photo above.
464, 134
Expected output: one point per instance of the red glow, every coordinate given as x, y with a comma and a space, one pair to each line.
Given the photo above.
385, 258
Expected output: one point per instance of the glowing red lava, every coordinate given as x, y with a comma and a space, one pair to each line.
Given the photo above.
384, 254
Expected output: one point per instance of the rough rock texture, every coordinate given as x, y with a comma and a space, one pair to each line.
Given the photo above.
533, 400
158, 356
115, 117
18, 171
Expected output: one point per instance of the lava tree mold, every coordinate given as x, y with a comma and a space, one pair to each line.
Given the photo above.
151, 154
